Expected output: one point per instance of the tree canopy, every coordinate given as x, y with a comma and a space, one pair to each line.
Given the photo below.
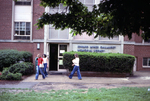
108, 18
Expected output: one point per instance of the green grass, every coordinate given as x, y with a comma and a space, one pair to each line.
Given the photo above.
115, 94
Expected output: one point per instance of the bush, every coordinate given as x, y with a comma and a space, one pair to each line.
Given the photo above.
26, 56
24, 68
10, 57
6, 75
101, 62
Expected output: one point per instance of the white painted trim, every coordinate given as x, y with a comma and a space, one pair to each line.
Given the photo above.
31, 20
12, 25
121, 38
146, 66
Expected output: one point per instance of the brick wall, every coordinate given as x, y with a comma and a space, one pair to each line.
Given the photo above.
131, 40
135, 38
128, 49
5, 19
140, 52
37, 12
30, 47
138, 38
35, 51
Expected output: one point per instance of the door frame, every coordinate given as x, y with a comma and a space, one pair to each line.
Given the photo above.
61, 56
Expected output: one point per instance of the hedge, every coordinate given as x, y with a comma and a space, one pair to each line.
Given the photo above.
101, 62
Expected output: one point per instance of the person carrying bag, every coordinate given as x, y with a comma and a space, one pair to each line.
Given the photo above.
40, 68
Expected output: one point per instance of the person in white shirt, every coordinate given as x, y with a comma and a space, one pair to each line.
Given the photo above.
76, 67
45, 63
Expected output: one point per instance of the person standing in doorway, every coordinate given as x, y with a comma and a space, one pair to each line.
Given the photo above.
45, 63
76, 67
39, 68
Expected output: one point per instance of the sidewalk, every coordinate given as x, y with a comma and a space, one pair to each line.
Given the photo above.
58, 82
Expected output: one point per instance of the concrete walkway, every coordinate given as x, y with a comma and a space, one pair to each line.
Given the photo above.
58, 82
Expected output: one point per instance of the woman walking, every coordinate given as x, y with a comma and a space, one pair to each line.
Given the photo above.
40, 68
45, 62
76, 67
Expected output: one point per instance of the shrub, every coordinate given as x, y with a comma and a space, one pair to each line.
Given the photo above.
24, 68
10, 57
101, 62
6, 75
26, 56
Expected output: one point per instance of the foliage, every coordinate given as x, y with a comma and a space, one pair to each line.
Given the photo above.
6, 75
10, 57
15, 72
115, 94
101, 62
24, 68
26, 56
108, 18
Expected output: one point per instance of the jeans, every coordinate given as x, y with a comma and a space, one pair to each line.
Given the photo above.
45, 66
76, 68
37, 72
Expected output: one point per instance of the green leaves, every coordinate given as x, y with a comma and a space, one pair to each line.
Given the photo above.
109, 18
101, 62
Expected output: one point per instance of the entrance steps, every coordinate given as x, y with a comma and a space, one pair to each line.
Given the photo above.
60, 72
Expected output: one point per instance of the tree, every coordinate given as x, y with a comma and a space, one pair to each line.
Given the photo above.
108, 18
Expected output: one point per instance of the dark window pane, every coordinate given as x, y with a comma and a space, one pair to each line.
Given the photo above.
22, 37
148, 61
22, 3
16, 32
28, 28
22, 32
144, 61
16, 26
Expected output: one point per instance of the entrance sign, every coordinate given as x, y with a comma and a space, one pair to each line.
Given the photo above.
94, 48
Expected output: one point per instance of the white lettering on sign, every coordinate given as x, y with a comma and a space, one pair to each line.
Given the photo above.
97, 49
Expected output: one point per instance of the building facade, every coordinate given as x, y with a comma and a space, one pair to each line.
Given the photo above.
17, 31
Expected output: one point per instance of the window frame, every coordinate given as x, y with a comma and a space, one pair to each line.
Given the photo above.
25, 32
13, 22
148, 62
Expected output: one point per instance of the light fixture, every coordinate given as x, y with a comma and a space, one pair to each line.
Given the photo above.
38, 46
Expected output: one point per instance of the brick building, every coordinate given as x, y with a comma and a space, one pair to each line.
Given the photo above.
17, 31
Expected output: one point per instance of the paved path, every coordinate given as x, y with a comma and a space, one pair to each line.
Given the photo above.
58, 82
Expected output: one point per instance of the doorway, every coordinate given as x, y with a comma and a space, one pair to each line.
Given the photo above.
53, 57
56, 56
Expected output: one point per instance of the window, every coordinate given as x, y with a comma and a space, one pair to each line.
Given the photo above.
88, 3
115, 38
146, 62
22, 30
58, 33
84, 36
22, 20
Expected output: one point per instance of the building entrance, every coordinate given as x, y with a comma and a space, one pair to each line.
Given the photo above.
56, 56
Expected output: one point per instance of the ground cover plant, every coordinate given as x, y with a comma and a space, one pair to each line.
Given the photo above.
102, 94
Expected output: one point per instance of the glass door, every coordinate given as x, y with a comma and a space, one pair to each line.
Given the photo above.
61, 49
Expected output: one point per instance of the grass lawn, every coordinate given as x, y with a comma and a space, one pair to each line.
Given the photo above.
115, 94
